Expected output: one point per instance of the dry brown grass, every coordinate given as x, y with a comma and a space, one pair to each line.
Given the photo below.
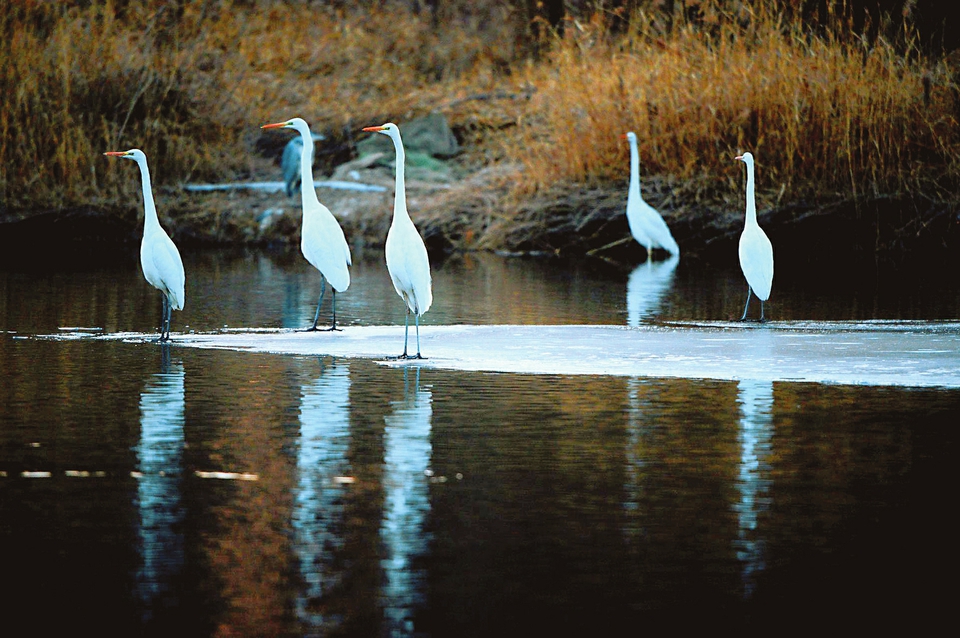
84, 82
191, 82
824, 114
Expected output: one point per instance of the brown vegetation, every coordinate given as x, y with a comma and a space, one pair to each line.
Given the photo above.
828, 113
831, 116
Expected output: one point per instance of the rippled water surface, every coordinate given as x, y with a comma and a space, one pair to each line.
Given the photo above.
163, 490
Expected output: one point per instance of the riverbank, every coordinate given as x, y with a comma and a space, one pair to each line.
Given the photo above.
855, 133
478, 213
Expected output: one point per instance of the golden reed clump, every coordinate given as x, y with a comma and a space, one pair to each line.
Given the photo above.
189, 81
86, 80
824, 111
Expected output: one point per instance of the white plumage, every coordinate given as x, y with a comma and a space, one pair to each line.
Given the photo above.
321, 239
646, 224
407, 260
159, 257
756, 251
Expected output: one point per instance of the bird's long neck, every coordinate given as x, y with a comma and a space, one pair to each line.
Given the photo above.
634, 169
751, 200
150, 220
400, 196
307, 188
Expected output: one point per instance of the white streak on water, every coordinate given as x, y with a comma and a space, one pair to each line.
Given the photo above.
159, 467
318, 508
753, 480
407, 451
647, 285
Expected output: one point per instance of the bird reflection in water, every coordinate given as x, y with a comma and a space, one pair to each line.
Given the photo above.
407, 452
646, 287
753, 479
639, 422
323, 468
160, 469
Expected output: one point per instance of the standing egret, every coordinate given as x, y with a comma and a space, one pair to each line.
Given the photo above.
159, 257
321, 238
646, 224
407, 260
756, 251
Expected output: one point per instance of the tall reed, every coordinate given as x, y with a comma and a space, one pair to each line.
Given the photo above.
190, 82
825, 112
82, 81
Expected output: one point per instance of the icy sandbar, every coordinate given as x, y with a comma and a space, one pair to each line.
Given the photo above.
920, 354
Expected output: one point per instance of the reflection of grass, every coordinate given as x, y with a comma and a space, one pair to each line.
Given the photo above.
826, 114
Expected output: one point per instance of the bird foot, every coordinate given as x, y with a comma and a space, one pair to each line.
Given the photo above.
316, 329
410, 357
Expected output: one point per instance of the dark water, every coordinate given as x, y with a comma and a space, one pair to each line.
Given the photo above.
401, 501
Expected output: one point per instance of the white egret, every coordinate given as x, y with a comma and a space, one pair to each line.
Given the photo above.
756, 251
321, 238
407, 260
646, 224
159, 257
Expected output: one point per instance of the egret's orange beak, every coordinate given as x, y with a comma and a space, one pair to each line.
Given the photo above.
623, 136
738, 157
115, 153
373, 128
275, 125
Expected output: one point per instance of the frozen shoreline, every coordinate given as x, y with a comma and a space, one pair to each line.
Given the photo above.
880, 353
